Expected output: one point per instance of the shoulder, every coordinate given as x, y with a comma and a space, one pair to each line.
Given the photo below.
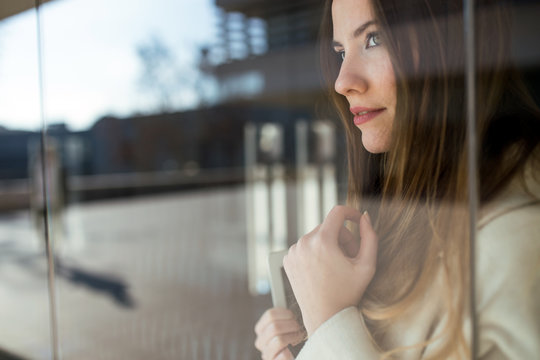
521, 193
509, 226
508, 273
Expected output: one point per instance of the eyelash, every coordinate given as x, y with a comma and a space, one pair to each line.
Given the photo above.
372, 36
369, 38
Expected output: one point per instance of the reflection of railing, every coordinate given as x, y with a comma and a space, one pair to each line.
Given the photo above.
280, 205
155, 179
15, 194
266, 210
127, 184
315, 174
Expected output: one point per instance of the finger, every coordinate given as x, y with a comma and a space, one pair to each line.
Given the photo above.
335, 219
274, 329
348, 242
285, 354
368, 244
278, 343
271, 315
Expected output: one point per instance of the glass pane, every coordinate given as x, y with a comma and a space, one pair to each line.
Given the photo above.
190, 144
24, 296
150, 110
508, 118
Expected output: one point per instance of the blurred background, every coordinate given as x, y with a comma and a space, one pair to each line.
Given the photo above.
162, 148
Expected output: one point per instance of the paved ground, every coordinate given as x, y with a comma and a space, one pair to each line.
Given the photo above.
161, 277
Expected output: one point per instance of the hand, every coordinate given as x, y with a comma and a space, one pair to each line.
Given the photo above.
328, 270
276, 329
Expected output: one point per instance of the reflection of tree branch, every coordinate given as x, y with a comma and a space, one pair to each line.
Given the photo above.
162, 75
156, 57
171, 84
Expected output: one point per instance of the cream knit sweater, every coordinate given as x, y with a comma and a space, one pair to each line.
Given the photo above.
507, 285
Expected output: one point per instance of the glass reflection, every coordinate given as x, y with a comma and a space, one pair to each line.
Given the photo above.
147, 112
24, 297
408, 278
187, 140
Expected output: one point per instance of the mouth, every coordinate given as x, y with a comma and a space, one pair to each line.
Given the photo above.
363, 115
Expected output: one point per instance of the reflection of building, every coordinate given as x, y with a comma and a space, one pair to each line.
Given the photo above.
208, 143
14, 146
13, 7
283, 69
209, 138
265, 65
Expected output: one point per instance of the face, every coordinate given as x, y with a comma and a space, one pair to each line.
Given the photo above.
366, 77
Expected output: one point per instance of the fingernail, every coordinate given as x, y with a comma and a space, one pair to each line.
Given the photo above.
366, 215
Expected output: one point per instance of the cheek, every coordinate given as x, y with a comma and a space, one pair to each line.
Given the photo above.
388, 84
381, 74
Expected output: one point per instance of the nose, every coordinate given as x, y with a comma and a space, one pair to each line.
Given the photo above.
351, 79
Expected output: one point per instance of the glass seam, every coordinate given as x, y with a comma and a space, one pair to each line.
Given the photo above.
46, 228
470, 91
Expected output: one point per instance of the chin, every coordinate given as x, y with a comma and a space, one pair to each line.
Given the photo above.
375, 147
377, 139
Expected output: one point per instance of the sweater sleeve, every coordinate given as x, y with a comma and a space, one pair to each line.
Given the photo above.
343, 336
508, 286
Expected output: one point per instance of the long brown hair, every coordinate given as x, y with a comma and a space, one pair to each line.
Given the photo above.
418, 189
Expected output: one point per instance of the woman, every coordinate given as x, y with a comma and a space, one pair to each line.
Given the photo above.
402, 290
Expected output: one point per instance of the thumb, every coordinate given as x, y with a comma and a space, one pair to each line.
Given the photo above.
367, 255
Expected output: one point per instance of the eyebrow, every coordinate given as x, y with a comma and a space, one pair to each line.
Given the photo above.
359, 30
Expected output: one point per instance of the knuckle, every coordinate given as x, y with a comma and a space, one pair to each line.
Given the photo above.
280, 341
273, 328
292, 248
339, 209
262, 320
272, 315
257, 344
303, 240
283, 355
334, 211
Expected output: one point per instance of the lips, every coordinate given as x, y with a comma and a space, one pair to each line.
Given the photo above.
363, 114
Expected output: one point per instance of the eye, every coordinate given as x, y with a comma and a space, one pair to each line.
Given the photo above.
373, 39
340, 54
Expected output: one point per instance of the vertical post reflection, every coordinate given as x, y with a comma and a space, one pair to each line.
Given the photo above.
470, 73
45, 185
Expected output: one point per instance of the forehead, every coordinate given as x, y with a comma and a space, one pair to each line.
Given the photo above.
347, 15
